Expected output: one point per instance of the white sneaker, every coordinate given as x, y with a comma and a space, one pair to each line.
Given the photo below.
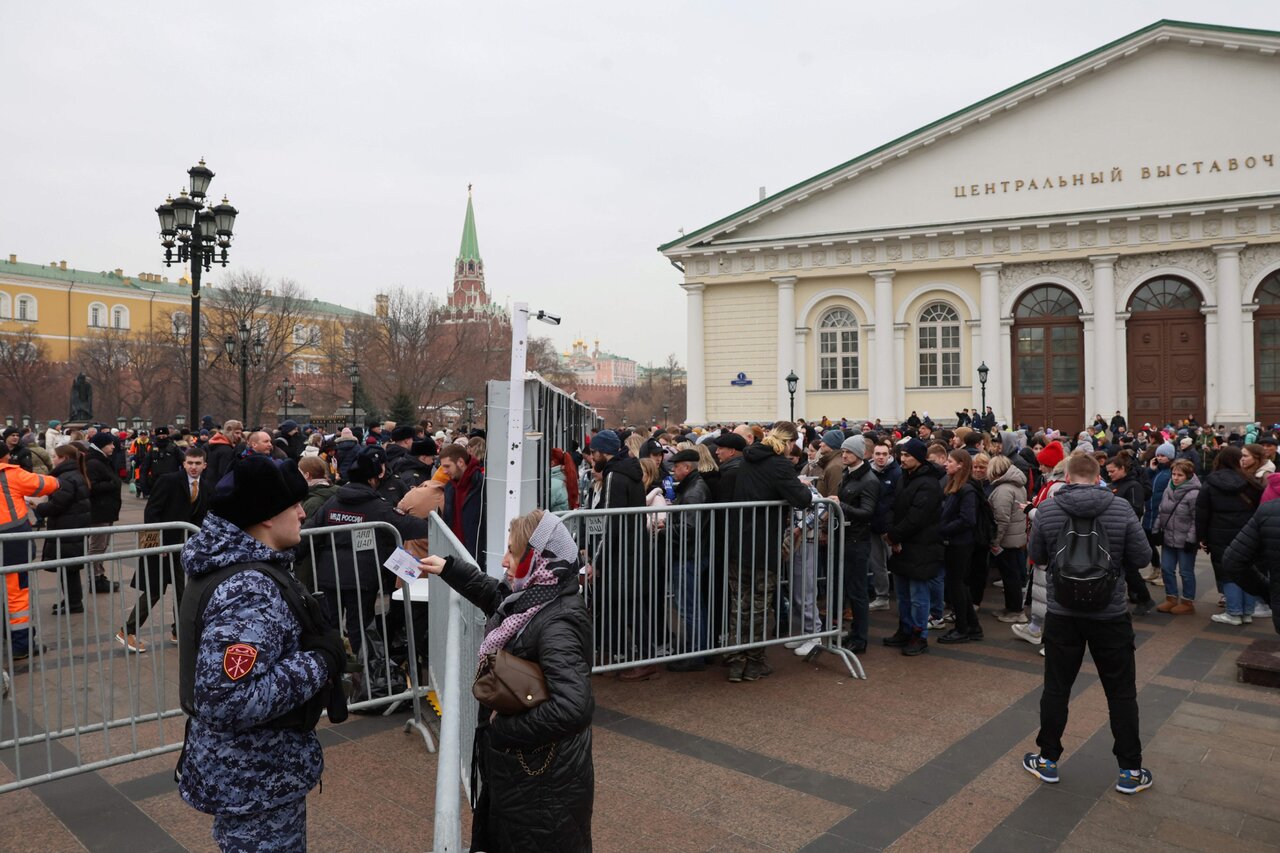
795, 644
997, 584
1026, 632
1012, 616
130, 642
880, 603
1226, 619
937, 624
805, 649
1262, 611
1042, 651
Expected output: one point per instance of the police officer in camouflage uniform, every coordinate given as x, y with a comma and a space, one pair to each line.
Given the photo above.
251, 671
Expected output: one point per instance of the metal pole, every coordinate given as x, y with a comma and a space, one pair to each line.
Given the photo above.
793, 406
353, 404
984, 401
197, 262
244, 387
515, 417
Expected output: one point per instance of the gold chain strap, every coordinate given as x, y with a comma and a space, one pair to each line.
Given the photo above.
551, 753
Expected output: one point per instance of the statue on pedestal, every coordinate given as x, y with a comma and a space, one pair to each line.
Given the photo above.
81, 400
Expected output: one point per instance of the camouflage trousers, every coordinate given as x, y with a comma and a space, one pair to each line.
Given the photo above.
278, 830
750, 603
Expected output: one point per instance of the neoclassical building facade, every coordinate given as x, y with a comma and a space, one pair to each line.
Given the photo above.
1103, 237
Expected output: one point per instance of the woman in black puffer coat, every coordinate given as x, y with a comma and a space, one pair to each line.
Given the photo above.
959, 521
532, 778
1226, 502
68, 509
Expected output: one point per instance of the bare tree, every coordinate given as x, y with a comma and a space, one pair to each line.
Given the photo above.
24, 372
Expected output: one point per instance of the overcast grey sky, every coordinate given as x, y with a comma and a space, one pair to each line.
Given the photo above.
347, 132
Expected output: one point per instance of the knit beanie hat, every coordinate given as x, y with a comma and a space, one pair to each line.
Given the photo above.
1166, 450
257, 488
1051, 455
833, 438
857, 445
607, 442
916, 449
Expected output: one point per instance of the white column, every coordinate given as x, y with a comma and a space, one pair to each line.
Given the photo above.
1106, 398
802, 370
885, 382
695, 377
989, 310
1232, 406
1247, 367
1212, 372
1122, 363
1090, 368
899, 392
786, 340
1004, 385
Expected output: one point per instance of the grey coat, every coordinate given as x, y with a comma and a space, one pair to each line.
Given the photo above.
1008, 491
1129, 548
1177, 519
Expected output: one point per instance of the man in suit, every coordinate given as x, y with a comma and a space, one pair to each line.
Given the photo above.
177, 496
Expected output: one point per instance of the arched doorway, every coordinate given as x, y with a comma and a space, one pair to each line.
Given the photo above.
1165, 335
1048, 359
1266, 347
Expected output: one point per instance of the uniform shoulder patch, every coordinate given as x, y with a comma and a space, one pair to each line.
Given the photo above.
238, 660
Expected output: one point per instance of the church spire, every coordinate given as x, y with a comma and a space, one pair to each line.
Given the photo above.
470, 250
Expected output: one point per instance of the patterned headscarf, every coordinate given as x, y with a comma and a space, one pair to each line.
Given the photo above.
550, 543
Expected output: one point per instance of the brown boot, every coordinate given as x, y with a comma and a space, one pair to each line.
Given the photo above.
1183, 607
640, 673
1170, 602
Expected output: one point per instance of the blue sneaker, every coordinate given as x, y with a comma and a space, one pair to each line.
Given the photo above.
1133, 781
1041, 768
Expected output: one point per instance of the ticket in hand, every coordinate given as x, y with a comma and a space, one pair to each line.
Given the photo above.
402, 564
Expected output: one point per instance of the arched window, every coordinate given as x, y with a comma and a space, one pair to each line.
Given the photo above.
1266, 325
1166, 294
938, 334
1047, 300
838, 351
119, 317
26, 307
97, 315
6, 308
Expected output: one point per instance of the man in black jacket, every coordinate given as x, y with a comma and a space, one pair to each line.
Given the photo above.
889, 473
348, 566
463, 509
1107, 632
104, 502
619, 558
916, 544
765, 475
176, 496
19, 454
398, 450
687, 544
222, 451
1253, 559
164, 457
859, 494
417, 468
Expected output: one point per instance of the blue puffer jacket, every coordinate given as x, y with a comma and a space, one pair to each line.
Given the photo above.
233, 767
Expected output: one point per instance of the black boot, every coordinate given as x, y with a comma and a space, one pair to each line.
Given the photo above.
917, 645
899, 638
955, 635
855, 644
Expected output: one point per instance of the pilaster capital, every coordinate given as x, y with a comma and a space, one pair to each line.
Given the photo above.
692, 287
988, 268
1226, 250
784, 281
882, 275
801, 332
1103, 261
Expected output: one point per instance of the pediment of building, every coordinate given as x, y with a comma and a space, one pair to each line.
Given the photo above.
1174, 114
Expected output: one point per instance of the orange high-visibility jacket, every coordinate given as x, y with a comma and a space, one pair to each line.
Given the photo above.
17, 483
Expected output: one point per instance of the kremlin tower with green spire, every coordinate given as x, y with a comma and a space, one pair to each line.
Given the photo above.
469, 299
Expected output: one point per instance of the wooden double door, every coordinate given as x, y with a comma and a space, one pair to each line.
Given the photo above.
1166, 366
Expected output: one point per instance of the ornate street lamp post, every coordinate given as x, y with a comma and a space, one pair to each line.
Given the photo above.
240, 354
353, 371
194, 232
792, 382
983, 370
285, 394
471, 402
666, 409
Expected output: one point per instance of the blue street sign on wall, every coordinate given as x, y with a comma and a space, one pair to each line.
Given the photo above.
741, 380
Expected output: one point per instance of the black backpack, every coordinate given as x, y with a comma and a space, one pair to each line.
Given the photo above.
1080, 566
985, 529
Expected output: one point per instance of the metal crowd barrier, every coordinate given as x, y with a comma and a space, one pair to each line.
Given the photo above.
452, 665
81, 702
678, 582
78, 703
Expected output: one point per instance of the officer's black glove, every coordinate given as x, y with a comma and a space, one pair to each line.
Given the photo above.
331, 649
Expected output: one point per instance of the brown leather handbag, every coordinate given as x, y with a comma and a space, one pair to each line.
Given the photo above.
509, 684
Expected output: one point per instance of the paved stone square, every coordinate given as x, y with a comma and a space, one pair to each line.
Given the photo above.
923, 755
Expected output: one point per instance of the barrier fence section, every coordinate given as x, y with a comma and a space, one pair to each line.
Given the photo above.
342, 565
679, 582
74, 699
457, 629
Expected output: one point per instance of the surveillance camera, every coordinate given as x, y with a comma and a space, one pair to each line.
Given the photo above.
547, 317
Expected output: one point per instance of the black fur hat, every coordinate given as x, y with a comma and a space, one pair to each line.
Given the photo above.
257, 488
